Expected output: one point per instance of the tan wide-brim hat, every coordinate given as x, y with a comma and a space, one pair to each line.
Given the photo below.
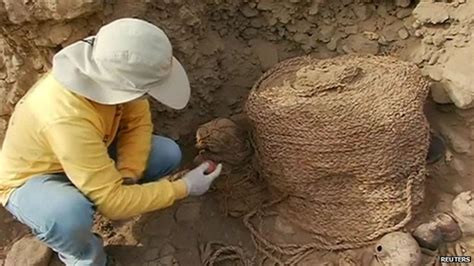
126, 59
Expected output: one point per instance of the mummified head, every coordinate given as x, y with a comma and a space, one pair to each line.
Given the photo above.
223, 140
397, 249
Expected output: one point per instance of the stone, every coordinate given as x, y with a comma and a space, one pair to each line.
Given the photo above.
347, 2
28, 11
428, 236
2, 62
266, 52
434, 13
456, 138
151, 254
188, 17
463, 212
391, 32
168, 261
450, 230
314, 8
282, 226
362, 45
29, 251
354, 29
326, 33
59, 33
3, 74
363, 12
402, 3
248, 11
167, 249
373, 36
188, 212
17, 61
438, 93
458, 78
332, 45
403, 34
403, 13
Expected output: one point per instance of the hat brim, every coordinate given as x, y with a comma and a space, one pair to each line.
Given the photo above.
175, 90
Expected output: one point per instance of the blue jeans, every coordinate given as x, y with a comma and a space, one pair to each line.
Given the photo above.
62, 217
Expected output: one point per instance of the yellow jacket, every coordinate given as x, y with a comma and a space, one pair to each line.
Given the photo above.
53, 130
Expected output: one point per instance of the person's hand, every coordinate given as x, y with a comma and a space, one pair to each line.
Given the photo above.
198, 182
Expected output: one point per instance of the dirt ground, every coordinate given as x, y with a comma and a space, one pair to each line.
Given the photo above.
225, 47
188, 232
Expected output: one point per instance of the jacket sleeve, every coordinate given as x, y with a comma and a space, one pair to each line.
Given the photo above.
79, 147
134, 139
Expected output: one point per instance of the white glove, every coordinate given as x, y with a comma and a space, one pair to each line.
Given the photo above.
198, 182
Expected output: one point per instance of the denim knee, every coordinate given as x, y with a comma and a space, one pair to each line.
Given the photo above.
69, 228
165, 156
165, 150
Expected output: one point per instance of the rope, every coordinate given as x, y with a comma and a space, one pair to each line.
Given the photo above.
216, 252
338, 136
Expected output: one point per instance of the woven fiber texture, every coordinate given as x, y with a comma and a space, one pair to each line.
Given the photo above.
346, 140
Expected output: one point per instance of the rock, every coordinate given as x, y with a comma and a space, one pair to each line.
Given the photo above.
390, 32
3, 74
332, 45
438, 93
463, 212
29, 251
59, 33
151, 254
168, 261
2, 62
403, 34
458, 141
458, 78
435, 13
27, 11
248, 11
266, 52
167, 249
360, 44
326, 33
211, 44
363, 12
347, 2
314, 8
403, 13
282, 226
188, 212
188, 17
17, 61
397, 248
402, 3
439, 39
450, 230
428, 236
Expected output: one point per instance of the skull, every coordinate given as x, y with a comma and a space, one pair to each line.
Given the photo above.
397, 249
222, 140
463, 211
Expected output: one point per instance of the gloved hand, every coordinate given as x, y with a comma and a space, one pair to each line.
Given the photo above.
198, 182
